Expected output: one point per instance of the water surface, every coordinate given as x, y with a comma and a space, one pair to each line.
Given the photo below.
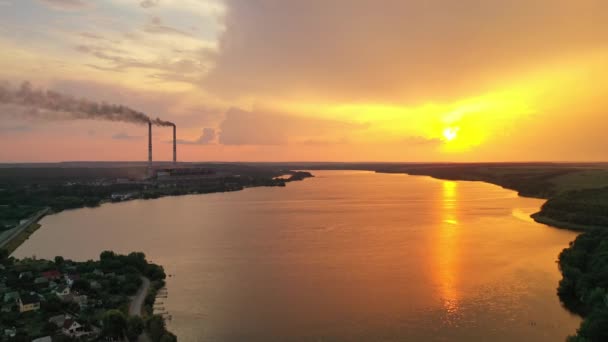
347, 255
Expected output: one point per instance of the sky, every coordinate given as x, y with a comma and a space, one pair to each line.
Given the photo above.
316, 80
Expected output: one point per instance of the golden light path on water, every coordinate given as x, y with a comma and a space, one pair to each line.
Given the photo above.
447, 249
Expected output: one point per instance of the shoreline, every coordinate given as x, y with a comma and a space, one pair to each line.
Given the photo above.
23, 232
538, 217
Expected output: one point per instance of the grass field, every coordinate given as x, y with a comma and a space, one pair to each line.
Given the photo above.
12, 245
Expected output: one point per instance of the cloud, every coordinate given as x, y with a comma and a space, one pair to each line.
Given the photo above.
15, 128
125, 136
149, 3
90, 35
241, 127
418, 141
67, 5
395, 51
156, 26
188, 68
208, 137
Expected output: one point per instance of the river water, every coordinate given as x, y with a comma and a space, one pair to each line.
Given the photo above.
347, 255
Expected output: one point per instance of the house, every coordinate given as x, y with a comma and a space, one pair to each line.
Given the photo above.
51, 275
73, 329
25, 275
95, 285
62, 291
43, 339
41, 281
81, 300
10, 332
71, 278
11, 297
59, 320
28, 302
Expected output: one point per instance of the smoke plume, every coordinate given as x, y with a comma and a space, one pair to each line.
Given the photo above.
48, 104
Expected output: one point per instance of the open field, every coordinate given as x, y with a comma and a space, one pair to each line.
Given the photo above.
15, 242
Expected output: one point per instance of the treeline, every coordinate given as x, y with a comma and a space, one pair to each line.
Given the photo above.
584, 286
11, 176
529, 181
587, 207
60, 197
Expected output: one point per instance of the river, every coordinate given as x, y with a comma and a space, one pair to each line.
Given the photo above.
347, 255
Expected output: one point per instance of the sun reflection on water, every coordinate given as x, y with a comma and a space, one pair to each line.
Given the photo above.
447, 252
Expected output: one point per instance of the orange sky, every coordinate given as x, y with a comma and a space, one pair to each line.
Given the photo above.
340, 80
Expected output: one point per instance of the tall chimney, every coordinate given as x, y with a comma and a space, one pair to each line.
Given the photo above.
174, 146
150, 147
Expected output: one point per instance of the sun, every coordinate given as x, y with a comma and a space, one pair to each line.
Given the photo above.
450, 133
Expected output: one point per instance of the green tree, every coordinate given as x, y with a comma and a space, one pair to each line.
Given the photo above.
168, 337
156, 327
135, 326
59, 261
81, 285
114, 323
49, 328
3, 256
595, 326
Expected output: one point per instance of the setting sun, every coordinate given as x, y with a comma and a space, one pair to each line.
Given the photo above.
450, 133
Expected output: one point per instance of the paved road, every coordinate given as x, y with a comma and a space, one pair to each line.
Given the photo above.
6, 238
138, 301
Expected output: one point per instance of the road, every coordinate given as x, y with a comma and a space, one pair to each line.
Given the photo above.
140, 297
20, 228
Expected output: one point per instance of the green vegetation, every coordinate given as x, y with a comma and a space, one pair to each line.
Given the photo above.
95, 295
528, 179
12, 245
157, 331
26, 190
11, 214
584, 286
581, 209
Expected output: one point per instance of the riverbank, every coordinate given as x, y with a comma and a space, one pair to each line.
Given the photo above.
65, 190
576, 194
13, 238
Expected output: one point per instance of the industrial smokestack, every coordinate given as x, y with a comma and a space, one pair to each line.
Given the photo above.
174, 146
149, 147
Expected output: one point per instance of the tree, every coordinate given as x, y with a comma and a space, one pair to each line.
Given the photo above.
49, 328
595, 326
114, 323
156, 327
81, 285
59, 261
3, 255
107, 255
168, 337
51, 305
135, 326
